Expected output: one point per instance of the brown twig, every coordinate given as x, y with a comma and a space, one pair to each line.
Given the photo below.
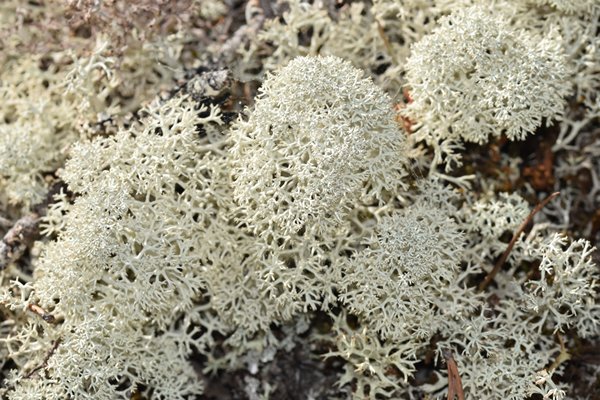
46, 316
44, 362
455, 387
492, 274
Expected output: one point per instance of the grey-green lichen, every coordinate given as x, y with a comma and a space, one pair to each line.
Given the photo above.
181, 244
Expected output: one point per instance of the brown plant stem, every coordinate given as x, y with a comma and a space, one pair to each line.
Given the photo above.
44, 363
492, 274
49, 318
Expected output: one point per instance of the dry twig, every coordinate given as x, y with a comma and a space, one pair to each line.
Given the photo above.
46, 316
492, 274
44, 363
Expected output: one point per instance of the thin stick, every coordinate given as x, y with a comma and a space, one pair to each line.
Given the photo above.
492, 274
44, 363
49, 318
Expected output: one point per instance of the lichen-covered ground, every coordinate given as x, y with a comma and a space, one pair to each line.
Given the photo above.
73, 71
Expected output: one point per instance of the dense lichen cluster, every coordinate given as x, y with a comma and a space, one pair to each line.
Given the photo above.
158, 234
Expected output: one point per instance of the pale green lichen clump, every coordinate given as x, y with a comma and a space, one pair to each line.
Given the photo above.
126, 262
475, 76
320, 138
